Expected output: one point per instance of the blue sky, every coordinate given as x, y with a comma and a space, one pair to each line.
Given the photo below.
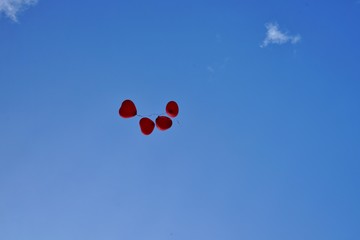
266, 144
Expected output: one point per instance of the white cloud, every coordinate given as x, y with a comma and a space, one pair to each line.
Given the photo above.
275, 36
12, 7
210, 69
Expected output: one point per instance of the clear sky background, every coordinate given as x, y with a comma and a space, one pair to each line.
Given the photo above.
266, 145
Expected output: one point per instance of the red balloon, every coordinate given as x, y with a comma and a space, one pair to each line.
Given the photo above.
163, 122
146, 125
172, 109
127, 109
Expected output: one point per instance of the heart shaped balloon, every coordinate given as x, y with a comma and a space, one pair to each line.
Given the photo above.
172, 109
146, 125
127, 109
163, 122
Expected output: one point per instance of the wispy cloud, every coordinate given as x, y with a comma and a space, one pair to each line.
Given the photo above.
275, 36
12, 7
211, 69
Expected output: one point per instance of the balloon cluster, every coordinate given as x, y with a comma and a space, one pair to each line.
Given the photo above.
128, 110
